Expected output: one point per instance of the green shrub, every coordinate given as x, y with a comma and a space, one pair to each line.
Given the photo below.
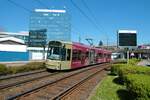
27, 67
35, 65
133, 61
138, 86
123, 71
115, 68
3, 69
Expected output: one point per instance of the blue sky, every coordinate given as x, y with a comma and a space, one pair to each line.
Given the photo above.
110, 15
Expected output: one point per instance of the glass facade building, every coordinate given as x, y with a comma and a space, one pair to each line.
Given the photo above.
56, 22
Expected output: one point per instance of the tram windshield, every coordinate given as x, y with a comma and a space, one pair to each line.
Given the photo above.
56, 53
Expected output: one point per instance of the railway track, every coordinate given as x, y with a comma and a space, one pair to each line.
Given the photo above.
20, 74
12, 86
15, 80
59, 87
82, 89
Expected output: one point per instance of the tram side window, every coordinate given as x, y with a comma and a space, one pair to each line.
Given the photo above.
63, 52
100, 55
75, 55
109, 56
105, 55
79, 55
87, 54
68, 54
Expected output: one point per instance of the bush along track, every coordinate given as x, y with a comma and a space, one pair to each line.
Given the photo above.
18, 69
138, 86
135, 78
3, 69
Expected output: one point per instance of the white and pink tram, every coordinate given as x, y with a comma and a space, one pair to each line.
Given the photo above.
71, 55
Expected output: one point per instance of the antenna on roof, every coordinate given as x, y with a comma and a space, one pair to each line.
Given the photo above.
90, 41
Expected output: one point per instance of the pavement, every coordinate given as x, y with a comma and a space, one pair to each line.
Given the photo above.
144, 63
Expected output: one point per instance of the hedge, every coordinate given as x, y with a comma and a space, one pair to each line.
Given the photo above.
3, 69
124, 69
116, 67
136, 78
27, 67
139, 86
23, 68
133, 61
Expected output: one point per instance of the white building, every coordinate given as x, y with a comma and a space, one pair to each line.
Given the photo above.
13, 49
20, 35
37, 53
12, 43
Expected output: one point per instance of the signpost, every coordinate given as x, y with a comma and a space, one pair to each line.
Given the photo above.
127, 40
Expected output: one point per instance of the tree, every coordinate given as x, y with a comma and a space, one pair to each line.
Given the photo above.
100, 43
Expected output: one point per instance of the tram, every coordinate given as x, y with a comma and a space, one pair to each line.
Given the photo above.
63, 55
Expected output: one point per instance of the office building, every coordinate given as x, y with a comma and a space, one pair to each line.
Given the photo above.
55, 22
46, 25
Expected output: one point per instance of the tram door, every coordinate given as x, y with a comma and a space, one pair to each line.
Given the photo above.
92, 56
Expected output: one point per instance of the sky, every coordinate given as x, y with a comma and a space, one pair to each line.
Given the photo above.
109, 15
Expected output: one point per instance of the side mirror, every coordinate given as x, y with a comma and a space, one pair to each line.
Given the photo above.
64, 46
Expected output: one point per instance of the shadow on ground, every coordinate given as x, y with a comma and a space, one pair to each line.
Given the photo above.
118, 80
124, 95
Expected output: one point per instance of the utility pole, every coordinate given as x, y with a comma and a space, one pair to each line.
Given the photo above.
128, 56
79, 38
107, 41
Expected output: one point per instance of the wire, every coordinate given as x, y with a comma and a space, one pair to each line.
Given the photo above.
85, 15
90, 11
85, 4
41, 3
18, 5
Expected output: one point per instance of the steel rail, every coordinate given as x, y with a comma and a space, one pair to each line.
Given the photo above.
20, 74
50, 83
25, 81
72, 88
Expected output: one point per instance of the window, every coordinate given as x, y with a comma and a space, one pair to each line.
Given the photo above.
63, 53
105, 55
79, 55
53, 53
109, 56
75, 55
68, 54
100, 55
87, 54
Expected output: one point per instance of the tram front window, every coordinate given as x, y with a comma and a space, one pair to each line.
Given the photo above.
54, 53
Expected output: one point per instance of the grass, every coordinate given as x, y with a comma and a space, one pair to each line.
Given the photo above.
111, 89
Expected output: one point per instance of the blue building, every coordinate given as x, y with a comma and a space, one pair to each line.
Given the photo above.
56, 22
